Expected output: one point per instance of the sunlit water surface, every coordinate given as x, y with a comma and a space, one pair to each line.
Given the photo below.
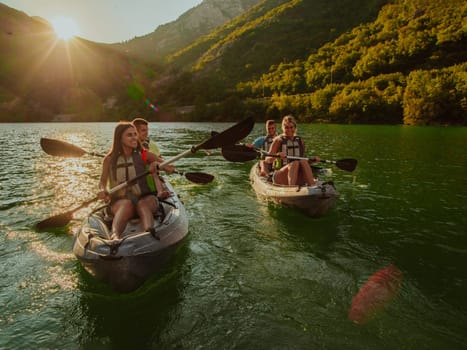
250, 275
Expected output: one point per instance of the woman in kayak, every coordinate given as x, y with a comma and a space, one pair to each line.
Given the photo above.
125, 161
290, 171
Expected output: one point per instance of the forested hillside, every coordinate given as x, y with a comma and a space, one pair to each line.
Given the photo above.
272, 32
408, 66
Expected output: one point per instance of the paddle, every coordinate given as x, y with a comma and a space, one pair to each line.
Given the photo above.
227, 137
64, 149
222, 139
197, 178
242, 153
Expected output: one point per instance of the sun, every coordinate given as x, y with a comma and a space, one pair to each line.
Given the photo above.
65, 28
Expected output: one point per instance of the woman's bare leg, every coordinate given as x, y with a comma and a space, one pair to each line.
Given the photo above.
122, 211
146, 208
307, 172
281, 176
294, 168
264, 168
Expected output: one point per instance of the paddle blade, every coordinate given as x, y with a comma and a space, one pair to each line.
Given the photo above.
61, 220
347, 164
228, 136
55, 221
239, 153
199, 178
61, 148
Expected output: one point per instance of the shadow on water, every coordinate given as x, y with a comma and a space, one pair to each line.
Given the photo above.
317, 234
136, 320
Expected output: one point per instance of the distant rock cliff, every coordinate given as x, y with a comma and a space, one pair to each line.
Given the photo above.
193, 24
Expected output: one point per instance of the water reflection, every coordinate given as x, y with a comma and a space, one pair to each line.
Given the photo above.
135, 320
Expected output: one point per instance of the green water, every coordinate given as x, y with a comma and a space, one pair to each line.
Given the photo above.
250, 275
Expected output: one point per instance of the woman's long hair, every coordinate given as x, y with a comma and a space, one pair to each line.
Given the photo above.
117, 146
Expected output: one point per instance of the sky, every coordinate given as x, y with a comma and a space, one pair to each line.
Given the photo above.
108, 21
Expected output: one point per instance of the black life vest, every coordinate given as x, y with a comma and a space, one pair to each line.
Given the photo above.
292, 147
126, 169
268, 139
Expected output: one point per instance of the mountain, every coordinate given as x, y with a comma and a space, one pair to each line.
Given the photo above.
193, 24
270, 33
274, 31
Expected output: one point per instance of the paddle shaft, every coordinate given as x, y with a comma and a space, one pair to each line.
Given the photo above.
127, 183
344, 164
243, 153
96, 154
226, 137
297, 158
113, 190
177, 157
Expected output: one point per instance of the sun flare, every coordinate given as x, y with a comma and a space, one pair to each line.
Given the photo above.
65, 28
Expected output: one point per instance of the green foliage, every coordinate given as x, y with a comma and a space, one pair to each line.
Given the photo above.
375, 101
135, 91
436, 97
401, 68
322, 99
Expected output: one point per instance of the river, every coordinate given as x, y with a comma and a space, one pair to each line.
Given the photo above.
250, 275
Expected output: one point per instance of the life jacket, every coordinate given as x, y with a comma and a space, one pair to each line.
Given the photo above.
268, 139
149, 178
292, 147
126, 169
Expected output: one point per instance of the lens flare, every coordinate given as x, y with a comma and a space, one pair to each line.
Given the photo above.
136, 92
380, 289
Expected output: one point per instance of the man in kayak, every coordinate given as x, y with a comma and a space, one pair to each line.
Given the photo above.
264, 143
288, 171
142, 128
122, 163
